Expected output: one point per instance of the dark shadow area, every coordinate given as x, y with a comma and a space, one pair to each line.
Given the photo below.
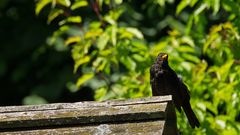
28, 66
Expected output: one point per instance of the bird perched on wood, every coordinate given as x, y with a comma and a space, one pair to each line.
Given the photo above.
164, 81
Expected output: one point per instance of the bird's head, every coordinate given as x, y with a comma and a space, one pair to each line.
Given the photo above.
163, 59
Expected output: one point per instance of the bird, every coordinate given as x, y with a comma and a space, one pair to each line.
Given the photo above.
164, 81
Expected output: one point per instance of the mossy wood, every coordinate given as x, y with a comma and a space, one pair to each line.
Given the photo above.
151, 115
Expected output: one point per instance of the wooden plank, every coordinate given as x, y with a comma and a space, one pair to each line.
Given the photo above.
88, 104
134, 128
146, 116
97, 114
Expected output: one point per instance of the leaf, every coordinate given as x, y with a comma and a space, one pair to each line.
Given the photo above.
189, 24
81, 61
223, 71
65, 3
188, 40
71, 40
216, 6
93, 33
182, 5
138, 58
100, 3
100, 93
209, 41
118, 2
95, 25
40, 5
193, 2
114, 35
57, 33
102, 41
186, 49
191, 58
33, 100
221, 123
54, 14
230, 6
71, 19
161, 2
128, 62
102, 65
72, 87
78, 4
124, 34
107, 52
99, 63
84, 78
201, 8
110, 20
135, 32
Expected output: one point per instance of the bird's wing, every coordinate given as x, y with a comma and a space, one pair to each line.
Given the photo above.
184, 90
173, 86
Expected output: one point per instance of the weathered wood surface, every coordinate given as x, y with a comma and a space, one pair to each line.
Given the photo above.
143, 115
135, 128
86, 104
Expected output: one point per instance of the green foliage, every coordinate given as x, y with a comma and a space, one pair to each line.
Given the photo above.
114, 45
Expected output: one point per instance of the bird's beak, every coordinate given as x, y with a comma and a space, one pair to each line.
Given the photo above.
165, 57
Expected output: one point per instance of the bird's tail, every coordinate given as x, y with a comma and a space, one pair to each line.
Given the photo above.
191, 115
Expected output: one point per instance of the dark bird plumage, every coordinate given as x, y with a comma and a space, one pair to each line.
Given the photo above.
164, 81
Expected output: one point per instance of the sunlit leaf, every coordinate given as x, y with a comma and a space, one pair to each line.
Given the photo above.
71, 19
40, 5
193, 2
73, 39
78, 4
118, 1
135, 31
100, 63
84, 78
65, 3
191, 58
53, 14
221, 123
102, 41
200, 9
93, 33
209, 41
124, 34
216, 6
100, 93
186, 49
110, 20
114, 35
81, 61
182, 5
188, 40
225, 69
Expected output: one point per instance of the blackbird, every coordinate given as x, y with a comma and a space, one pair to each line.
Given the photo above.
164, 81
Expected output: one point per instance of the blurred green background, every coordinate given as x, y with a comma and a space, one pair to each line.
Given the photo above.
75, 50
